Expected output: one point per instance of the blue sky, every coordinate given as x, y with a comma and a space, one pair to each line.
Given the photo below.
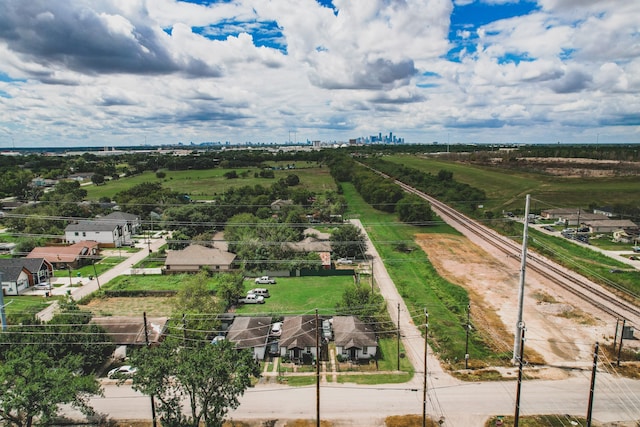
107, 72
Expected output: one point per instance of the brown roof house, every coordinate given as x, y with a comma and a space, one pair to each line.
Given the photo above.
353, 338
298, 339
125, 330
250, 332
195, 257
73, 256
19, 274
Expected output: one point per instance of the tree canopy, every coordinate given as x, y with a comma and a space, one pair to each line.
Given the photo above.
212, 377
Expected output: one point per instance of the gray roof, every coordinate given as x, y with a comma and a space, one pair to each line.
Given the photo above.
247, 332
350, 332
310, 244
12, 267
120, 217
298, 332
92, 225
199, 255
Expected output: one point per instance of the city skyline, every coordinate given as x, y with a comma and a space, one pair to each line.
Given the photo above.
112, 73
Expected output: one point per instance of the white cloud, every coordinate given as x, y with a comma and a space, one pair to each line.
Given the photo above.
114, 70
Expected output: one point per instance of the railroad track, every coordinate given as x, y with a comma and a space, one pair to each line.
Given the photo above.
583, 288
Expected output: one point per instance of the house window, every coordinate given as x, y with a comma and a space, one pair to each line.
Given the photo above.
84, 234
76, 234
364, 350
308, 350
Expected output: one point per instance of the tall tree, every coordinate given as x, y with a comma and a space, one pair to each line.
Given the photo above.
348, 241
33, 384
212, 377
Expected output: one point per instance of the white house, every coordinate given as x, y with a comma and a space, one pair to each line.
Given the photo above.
252, 333
113, 230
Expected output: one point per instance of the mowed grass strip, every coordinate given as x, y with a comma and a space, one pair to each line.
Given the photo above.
420, 286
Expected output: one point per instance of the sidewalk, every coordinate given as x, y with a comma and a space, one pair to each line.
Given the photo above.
70, 286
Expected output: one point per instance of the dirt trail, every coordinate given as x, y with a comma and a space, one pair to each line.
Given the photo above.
557, 328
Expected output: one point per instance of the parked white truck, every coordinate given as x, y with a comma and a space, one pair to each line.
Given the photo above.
252, 299
265, 280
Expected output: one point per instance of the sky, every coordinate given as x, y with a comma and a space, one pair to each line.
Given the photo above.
146, 72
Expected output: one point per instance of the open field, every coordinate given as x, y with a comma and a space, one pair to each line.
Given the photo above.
209, 183
506, 189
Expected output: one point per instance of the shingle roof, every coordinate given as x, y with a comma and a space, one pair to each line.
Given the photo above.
120, 217
11, 268
247, 332
67, 254
199, 255
351, 332
130, 330
92, 225
298, 332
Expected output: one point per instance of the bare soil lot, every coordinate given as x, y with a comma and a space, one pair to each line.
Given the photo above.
559, 327
134, 306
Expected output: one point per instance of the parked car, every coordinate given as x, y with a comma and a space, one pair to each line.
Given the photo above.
276, 329
344, 261
265, 280
326, 329
259, 291
252, 299
217, 339
122, 372
43, 286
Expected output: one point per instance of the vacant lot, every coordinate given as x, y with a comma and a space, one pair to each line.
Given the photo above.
210, 183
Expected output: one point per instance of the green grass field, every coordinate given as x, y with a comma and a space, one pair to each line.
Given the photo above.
209, 183
506, 189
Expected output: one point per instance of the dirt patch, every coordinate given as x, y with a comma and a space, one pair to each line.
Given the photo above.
558, 329
131, 306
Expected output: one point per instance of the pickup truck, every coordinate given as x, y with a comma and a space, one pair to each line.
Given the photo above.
265, 280
252, 299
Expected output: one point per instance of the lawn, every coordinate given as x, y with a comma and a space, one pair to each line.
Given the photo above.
299, 295
208, 184
24, 304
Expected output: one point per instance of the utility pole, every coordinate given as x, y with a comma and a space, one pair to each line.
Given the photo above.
398, 336
523, 266
466, 345
624, 322
94, 272
317, 371
424, 379
146, 339
593, 385
3, 314
516, 418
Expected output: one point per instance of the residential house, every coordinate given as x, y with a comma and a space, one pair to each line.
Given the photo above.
19, 274
61, 257
195, 257
298, 339
81, 176
313, 244
130, 222
114, 230
124, 330
250, 332
558, 213
610, 225
353, 338
607, 211
280, 203
627, 235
